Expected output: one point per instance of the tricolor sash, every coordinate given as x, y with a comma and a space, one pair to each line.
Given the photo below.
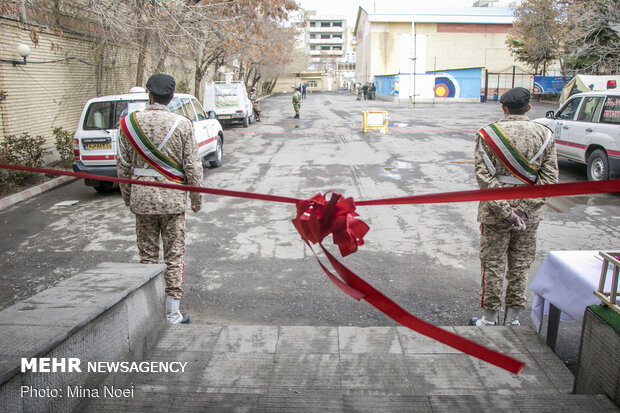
151, 154
509, 155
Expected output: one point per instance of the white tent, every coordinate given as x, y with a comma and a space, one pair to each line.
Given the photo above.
586, 83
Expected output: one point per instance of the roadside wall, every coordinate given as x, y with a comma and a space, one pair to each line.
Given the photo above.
41, 96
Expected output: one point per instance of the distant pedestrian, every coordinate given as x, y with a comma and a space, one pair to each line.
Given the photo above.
373, 90
303, 91
365, 91
297, 101
255, 105
359, 91
511, 152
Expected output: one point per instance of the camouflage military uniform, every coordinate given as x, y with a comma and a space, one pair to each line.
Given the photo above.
297, 102
255, 105
161, 211
500, 245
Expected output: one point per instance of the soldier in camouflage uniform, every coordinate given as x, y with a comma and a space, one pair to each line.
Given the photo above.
297, 101
255, 104
514, 151
160, 212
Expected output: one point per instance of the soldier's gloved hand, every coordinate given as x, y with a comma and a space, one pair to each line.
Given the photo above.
523, 215
195, 208
516, 222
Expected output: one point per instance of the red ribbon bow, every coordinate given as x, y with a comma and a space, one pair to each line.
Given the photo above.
317, 218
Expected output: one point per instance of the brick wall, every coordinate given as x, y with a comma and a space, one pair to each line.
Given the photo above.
40, 97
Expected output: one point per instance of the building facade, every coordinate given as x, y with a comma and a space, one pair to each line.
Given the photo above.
329, 47
326, 40
442, 43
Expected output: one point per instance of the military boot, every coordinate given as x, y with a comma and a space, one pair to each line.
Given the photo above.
511, 316
173, 314
490, 318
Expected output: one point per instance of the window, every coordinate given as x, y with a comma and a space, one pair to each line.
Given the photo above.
591, 106
324, 47
107, 115
311, 83
199, 110
313, 36
568, 111
325, 24
175, 107
337, 24
187, 105
100, 116
312, 24
611, 110
337, 36
337, 48
313, 47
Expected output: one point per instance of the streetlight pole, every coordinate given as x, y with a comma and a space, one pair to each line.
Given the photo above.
412, 60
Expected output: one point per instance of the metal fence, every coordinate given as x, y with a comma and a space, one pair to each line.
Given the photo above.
497, 83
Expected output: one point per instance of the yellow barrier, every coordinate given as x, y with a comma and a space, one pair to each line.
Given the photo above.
375, 119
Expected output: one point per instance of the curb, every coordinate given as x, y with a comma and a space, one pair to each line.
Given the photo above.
34, 191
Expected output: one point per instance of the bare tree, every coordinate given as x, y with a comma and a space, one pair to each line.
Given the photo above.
535, 37
200, 34
594, 46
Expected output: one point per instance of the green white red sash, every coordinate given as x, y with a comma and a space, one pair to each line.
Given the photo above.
508, 154
151, 154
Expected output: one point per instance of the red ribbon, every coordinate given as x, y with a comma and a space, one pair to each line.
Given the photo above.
523, 191
317, 218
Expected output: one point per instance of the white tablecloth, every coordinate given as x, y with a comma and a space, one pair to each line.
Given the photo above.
567, 279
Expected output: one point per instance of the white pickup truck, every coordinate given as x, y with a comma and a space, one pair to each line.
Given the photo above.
230, 102
95, 143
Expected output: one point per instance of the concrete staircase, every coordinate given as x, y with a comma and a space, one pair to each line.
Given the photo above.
344, 369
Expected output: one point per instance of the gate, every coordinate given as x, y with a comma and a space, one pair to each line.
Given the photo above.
496, 83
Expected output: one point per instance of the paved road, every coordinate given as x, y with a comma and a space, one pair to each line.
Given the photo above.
246, 264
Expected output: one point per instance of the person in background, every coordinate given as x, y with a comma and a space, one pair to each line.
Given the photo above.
297, 101
303, 91
511, 152
255, 105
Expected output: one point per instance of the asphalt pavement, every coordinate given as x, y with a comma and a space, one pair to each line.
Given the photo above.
245, 263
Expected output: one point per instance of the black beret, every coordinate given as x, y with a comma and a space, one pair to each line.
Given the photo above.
517, 97
161, 85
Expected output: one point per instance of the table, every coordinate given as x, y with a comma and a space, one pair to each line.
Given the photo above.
565, 284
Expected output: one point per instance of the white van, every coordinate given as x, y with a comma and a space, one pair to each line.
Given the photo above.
586, 129
95, 143
230, 102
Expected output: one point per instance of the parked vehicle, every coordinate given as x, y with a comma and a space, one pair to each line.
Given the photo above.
230, 102
95, 143
586, 129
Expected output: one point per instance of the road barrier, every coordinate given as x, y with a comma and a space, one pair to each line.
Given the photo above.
375, 119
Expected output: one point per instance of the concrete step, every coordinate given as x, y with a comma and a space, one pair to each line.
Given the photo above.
345, 369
